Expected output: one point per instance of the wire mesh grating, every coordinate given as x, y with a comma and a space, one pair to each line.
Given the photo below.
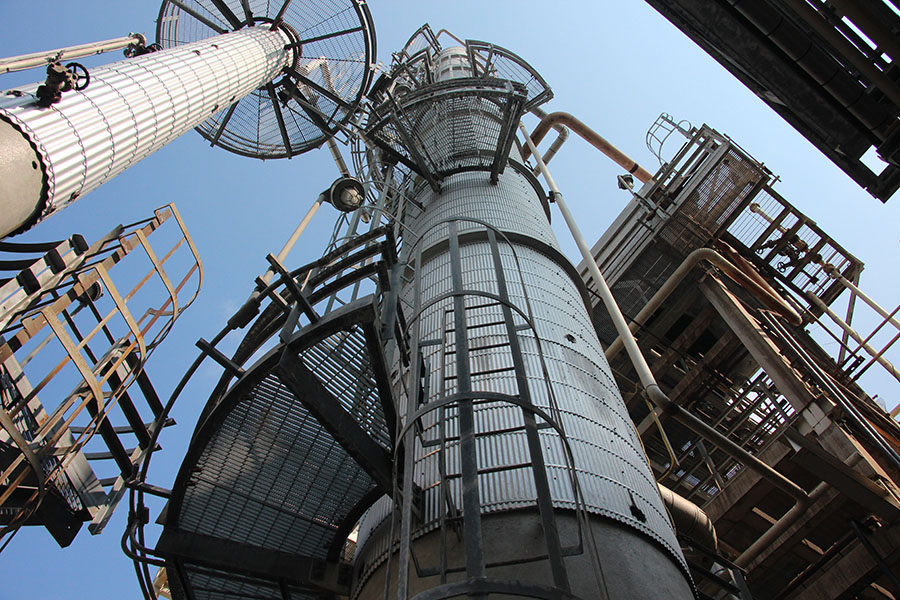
489, 60
272, 477
335, 53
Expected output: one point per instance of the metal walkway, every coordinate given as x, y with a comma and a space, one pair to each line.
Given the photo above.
285, 461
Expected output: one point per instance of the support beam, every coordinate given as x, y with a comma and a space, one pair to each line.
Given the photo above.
339, 423
235, 557
849, 480
854, 564
757, 342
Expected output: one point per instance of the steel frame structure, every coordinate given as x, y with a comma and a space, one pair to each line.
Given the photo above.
762, 382
813, 64
46, 345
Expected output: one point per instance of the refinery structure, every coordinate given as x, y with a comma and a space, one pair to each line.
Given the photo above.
440, 402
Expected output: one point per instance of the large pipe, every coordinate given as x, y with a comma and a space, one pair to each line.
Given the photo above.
834, 273
562, 134
787, 521
767, 296
484, 258
131, 108
590, 136
42, 59
689, 519
645, 375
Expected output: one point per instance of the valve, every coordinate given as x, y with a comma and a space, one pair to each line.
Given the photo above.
73, 76
138, 49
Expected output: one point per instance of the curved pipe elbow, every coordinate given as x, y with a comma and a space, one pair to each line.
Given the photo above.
689, 519
752, 281
747, 277
592, 137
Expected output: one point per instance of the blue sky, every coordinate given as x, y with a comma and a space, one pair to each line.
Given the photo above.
615, 65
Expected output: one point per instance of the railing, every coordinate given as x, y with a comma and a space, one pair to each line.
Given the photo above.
72, 344
310, 318
752, 414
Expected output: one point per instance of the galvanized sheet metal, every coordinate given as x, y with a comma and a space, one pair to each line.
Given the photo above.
510, 206
609, 459
133, 107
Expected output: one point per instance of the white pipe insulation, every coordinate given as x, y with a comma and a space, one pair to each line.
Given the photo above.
49, 157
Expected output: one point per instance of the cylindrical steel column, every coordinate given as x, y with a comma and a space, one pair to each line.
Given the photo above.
51, 156
483, 251
640, 556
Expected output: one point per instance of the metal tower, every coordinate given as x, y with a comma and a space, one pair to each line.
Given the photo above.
426, 411
435, 383
248, 81
532, 478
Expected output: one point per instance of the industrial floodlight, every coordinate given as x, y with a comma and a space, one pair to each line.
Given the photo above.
346, 194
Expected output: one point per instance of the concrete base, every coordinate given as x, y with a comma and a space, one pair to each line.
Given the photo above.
21, 179
633, 567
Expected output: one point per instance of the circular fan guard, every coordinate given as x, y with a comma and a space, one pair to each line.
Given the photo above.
331, 71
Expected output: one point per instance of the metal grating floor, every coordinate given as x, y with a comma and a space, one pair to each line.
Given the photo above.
270, 476
265, 474
458, 125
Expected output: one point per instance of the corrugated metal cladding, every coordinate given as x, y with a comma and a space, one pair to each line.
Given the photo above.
453, 63
470, 195
135, 106
609, 458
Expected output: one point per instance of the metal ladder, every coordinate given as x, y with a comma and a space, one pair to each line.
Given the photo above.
433, 406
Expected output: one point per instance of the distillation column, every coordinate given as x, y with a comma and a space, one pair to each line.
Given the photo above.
130, 109
482, 263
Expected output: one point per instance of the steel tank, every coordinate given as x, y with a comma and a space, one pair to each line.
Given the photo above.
498, 315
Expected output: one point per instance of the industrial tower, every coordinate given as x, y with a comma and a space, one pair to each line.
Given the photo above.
426, 411
462, 402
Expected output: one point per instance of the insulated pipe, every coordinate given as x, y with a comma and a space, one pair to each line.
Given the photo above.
590, 136
292, 241
562, 136
131, 108
690, 520
42, 59
645, 375
769, 298
835, 274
